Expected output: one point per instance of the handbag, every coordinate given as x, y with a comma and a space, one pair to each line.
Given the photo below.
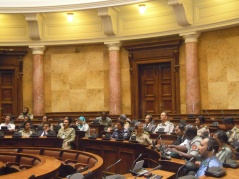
215, 172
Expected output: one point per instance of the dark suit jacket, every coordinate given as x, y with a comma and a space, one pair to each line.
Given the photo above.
49, 132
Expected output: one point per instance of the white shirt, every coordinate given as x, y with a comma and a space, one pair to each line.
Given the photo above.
9, 126
168, 127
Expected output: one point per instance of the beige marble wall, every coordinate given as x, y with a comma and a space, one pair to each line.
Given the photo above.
219, 75
77, 81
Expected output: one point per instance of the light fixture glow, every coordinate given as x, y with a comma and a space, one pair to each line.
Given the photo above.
142, 8
70, 17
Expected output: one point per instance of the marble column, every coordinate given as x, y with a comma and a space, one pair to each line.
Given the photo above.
114, 79
38, 88
193, 101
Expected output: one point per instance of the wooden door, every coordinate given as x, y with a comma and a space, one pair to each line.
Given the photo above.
155, 89
11, 72
7, 92
154, 76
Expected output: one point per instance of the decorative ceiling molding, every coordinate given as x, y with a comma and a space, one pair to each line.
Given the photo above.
183, 11
113, 46
191, 36
37, 49
34, 25
121, 38
36, 6
109, 20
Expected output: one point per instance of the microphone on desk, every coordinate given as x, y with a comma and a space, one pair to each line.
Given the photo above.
154, 142
191, 160
110, 167
133, 164
155, 168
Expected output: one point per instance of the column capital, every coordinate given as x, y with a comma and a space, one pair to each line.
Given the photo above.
113, 46
191, 36
37, 49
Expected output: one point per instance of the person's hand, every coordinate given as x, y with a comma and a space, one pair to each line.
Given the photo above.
197, 163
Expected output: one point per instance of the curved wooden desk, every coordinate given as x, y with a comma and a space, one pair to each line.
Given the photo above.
163, 173
50, 153
47, 168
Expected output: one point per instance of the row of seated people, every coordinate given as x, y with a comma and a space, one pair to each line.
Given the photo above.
80, 124
71, 161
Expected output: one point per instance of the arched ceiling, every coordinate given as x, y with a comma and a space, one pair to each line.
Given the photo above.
29, 6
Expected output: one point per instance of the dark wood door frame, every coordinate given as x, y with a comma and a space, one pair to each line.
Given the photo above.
12, 59
151, 53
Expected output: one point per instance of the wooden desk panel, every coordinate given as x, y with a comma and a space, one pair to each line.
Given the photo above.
37, 142
111, 151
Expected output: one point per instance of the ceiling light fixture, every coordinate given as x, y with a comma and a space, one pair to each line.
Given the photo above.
70, 16
142, 8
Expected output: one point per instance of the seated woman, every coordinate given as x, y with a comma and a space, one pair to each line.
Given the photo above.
26, 131
141, 136
224, 151
202, 130
83, 126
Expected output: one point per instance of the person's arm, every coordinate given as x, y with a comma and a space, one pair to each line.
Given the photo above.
156, 129
72, 136
148, 140
183, 154
181, 148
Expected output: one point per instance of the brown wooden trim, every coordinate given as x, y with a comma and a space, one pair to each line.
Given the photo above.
158, 51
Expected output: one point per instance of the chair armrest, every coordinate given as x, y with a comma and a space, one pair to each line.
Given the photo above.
9, 164
21, 167
70, 161
77, 165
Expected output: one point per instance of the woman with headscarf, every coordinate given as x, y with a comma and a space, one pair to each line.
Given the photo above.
83, 126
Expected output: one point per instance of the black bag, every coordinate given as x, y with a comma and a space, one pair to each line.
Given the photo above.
215, 172
231, 164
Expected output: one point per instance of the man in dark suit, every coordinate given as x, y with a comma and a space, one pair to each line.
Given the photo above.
46, 130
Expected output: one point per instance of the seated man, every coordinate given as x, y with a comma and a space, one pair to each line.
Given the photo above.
233, 130
141, 136
225, 151
8, 124
149, 125
180, 132
24, 113
46, 130
203, 131
105, 120
120, 130
67, 133
189, 148
40, 126
166, 125
126, 120
207, 151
